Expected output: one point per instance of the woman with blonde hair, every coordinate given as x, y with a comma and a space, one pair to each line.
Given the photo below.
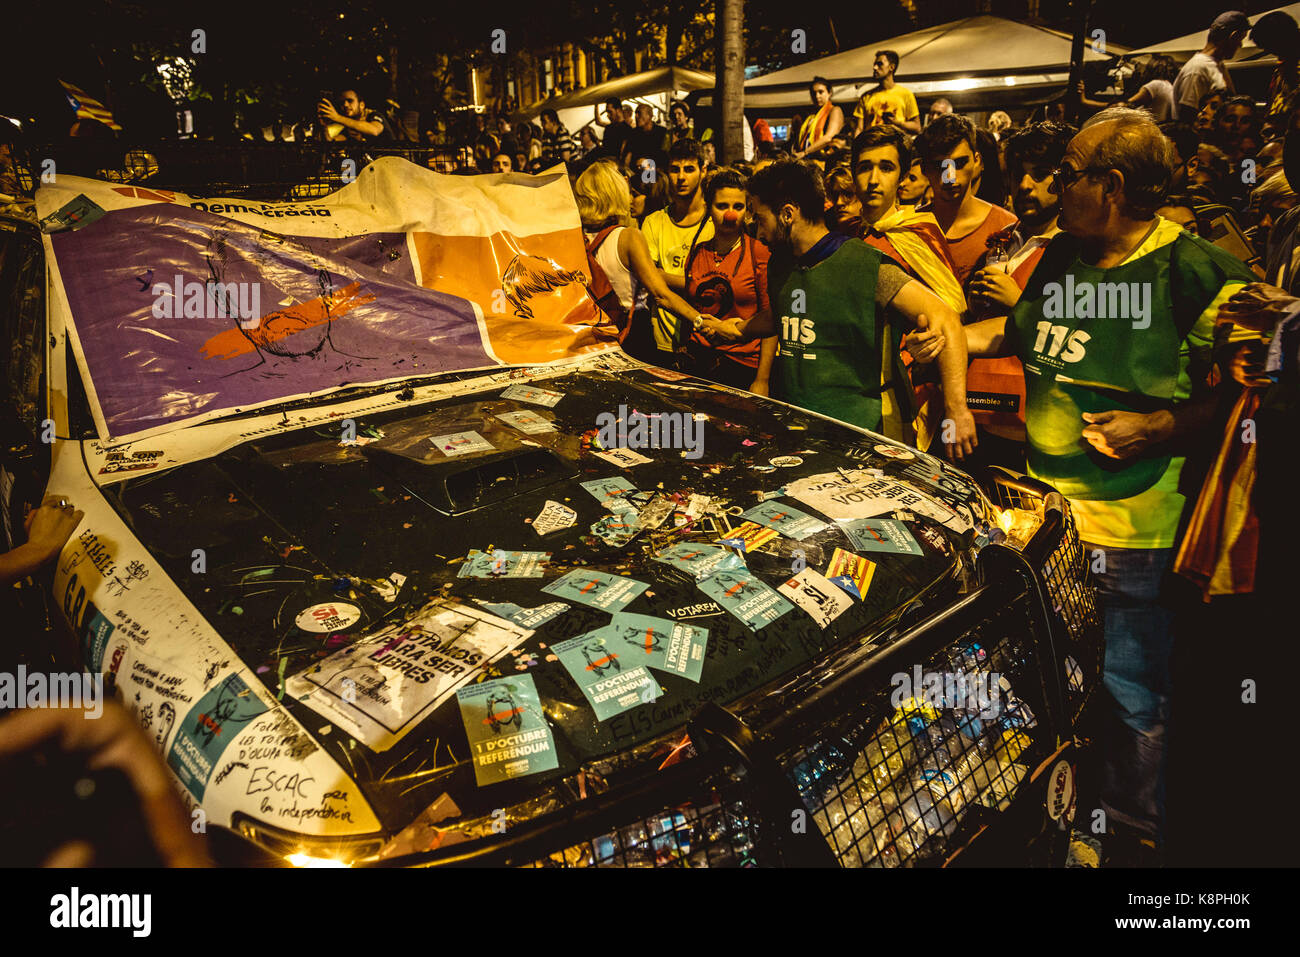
616, 248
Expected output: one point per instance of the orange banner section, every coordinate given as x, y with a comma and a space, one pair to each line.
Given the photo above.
531, 290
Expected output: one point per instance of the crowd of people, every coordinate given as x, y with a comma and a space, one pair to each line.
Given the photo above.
1092, 304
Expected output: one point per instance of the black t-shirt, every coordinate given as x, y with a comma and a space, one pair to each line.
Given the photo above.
648, 143
615, 139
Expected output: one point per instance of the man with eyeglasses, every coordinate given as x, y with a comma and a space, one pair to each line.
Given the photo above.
950, 159
1117, 392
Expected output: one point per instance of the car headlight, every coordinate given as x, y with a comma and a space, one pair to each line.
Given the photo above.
306, 850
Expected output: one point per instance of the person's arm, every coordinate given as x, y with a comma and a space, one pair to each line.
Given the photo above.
48, 530
833, 126
1228, 86
1121, 434
762, 378
331, 115
1125, 435
910, 124
1087, 101
1141, 98
859, 117
760, 325
650, 276
996, 286
674, 282
911, 127
111, 739
914, 301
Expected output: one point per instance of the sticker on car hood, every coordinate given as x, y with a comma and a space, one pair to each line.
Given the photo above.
597, 589
328, 616
383, 686
209, 727
554, 517
880, 535
610, 686
786, 519
503, 564
528, 393
659, 643
822, 600
507, 729
752, 601
857, 493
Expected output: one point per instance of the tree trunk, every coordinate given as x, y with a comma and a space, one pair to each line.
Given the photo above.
1080, 10
730, 72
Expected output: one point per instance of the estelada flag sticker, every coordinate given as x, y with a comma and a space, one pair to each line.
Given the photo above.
860, 570
750, 536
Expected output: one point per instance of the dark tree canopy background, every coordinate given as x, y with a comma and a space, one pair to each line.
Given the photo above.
265, 60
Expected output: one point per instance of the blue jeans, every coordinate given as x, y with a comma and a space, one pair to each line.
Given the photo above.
1139, 633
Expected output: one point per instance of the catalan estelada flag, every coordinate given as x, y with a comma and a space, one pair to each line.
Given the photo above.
87, 107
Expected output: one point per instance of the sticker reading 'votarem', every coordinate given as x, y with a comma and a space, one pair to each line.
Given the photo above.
752, 601
507, 730
597, 589
880, 535
527, 393
658, 643
786, 519
212, 723
610, 684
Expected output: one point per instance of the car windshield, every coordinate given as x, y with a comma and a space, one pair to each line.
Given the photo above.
186, 310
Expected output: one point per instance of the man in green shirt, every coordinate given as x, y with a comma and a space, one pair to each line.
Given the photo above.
840, 308
1115, 329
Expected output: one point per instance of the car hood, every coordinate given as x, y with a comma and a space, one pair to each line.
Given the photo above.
300, 547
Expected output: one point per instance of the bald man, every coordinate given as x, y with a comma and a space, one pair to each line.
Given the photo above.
1115, 329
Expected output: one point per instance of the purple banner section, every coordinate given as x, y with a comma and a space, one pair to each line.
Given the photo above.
182, 313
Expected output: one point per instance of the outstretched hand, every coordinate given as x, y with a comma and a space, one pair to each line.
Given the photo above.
923, 343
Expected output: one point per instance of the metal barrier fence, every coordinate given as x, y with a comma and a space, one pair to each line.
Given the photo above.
258, 171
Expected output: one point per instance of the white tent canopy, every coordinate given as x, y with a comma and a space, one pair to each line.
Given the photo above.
1184, 46
657, 87
976, 56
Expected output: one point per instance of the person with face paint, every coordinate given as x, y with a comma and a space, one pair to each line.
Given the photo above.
726, 277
